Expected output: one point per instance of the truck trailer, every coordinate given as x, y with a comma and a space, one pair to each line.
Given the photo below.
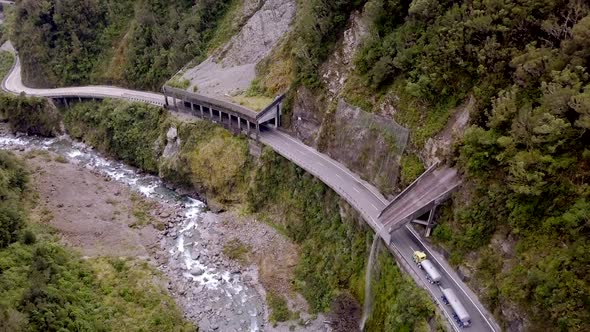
432, 273
460, 314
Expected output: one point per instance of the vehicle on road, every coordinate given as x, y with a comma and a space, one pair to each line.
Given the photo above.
432, 273
459, 312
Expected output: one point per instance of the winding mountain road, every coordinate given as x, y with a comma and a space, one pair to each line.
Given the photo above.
364, 197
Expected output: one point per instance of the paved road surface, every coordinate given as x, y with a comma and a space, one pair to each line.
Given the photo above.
14, 84
358, 193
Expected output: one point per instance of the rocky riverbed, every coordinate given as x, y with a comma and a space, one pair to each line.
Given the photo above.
215, 292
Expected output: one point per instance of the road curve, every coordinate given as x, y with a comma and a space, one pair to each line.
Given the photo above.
13, 83
364, 197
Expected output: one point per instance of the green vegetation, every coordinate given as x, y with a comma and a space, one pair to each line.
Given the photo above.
136, 43
142, 212
119, 129
31, 115
254, 102
13, 183
6, 62
317, 28
179, 83
236, 250
333, 251
279, 309
399, 305
228, 25
44, 287
411, 169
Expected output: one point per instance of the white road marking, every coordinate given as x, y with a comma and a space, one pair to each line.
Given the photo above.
358, 191
451, 276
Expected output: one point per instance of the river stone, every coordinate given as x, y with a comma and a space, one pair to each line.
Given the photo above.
197, 271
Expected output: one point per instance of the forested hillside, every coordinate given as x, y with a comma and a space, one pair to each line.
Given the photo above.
135, 43
519, 227
520, 224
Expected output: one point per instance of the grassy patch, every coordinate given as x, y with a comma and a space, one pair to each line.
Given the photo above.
274, 73
36, 153
398, 305
6, 62
179, 82
279, 309
255, 103
61, 159
236, 250
141, 210
411, 169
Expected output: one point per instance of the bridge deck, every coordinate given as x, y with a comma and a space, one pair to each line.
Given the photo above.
435, 185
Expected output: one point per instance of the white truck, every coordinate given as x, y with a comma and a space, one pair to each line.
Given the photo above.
459, 313
432, 273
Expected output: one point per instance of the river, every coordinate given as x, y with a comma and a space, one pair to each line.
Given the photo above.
212, 293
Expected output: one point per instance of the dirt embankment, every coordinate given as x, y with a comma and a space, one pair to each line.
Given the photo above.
95, 215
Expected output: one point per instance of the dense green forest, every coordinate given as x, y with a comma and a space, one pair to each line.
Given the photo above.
525, 157
135, 43
45, 287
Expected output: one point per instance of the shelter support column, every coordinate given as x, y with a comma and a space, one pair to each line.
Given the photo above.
430, 223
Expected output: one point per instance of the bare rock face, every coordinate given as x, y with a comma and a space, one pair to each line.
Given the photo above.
173, 144
233, 67
307, 117
367, 143
440, 145
259, 35
337, 69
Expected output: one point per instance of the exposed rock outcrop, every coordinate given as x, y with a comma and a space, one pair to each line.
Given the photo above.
231, 69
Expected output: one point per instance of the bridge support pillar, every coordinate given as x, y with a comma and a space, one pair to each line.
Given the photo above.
248, 128
166, 100
174, 102
278, 116
193, 109
257, 132
66, 102
430, 223
201, 110
220, 119
80, 99
240, 124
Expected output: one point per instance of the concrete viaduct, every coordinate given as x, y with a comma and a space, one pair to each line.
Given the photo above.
232, 116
